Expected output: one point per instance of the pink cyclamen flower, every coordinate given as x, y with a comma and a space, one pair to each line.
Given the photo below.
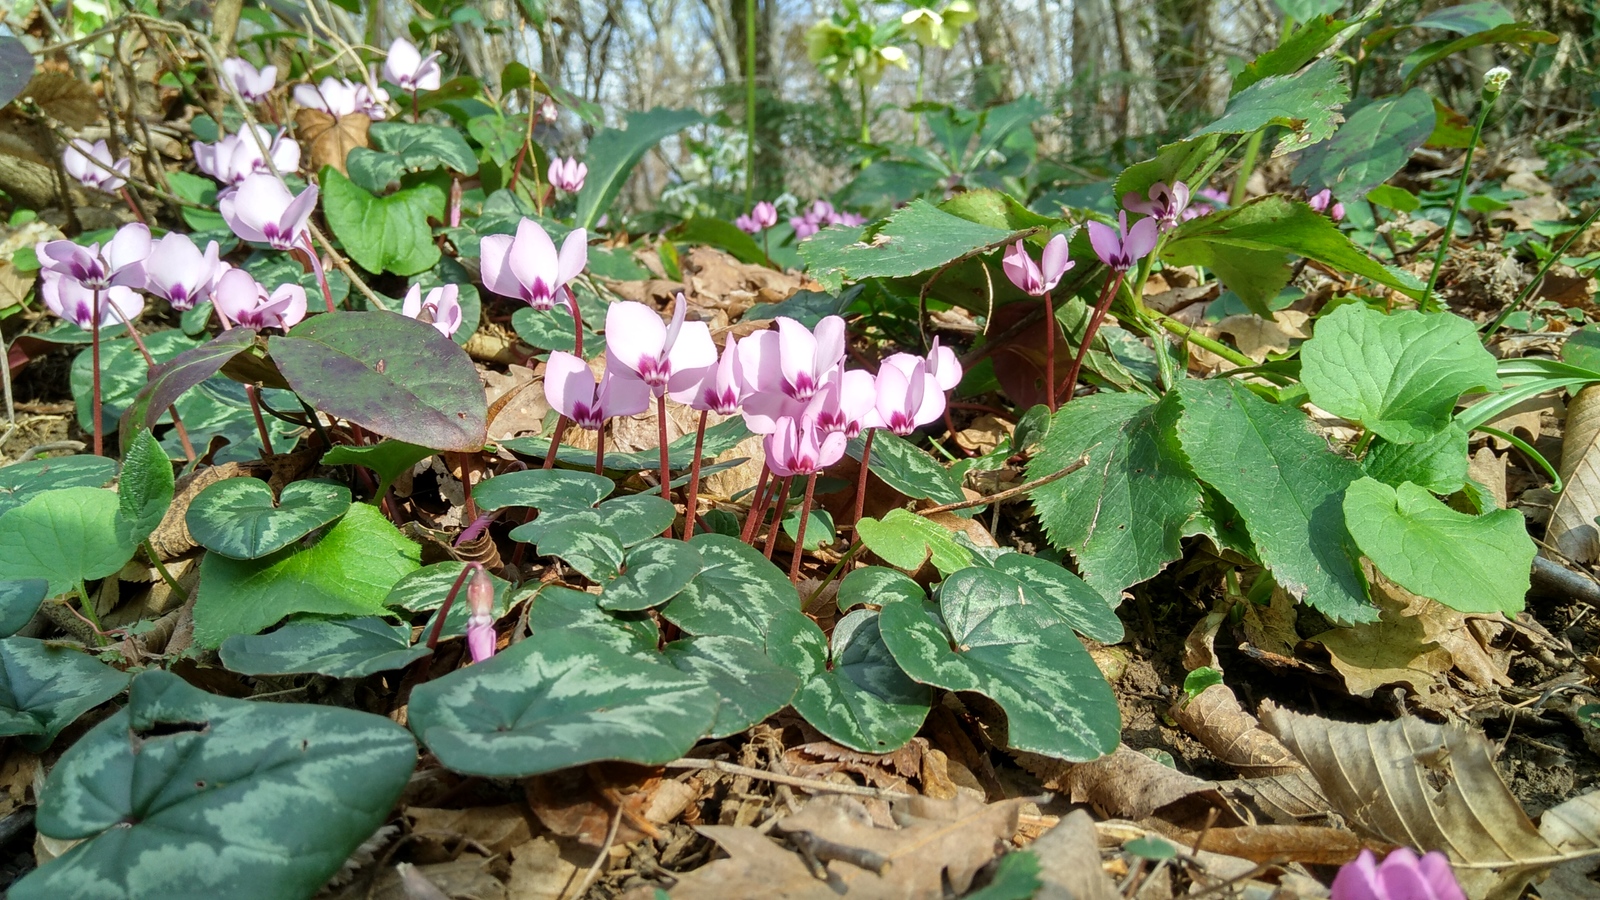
746, 224
177, 272
238, 156
908, 394
528, 267
252, 84
68, 298
723, 386
803, 227
800, 447
567, 174
793, 360
571, 388
849, 403
672, 357
243, 300
342, 97
1037, 279
441, 308
1207, 200
263, 211
1166, 203
1122, 246
408, 68
481, 638
1323, 202
765, 215
118, 262
76, 160
1401, 876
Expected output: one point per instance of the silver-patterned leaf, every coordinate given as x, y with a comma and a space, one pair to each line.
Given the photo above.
557, 700
877, 586
19, 601
44, 688
654, 573
341, 648
586, 545
542, 489
20, 481
984, 636
1073, 601
237, 518
738, 592
425, 589
750, 684
855, 693
578, 612
187, 795
634, 519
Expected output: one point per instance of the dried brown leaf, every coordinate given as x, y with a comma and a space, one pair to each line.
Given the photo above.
547, 869
1294, 798
331, 139
64, 98
498, 828
1069, 862
14, 285
1572, 527
1308, 844
757, 866
1573, 827
1130, 785
1233, 736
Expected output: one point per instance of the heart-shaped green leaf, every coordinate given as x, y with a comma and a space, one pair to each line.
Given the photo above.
561, 609
64, 536
557, 700
237, 518
387, 373
586, 545
185, 794
543, 489
854, 692
1468, 563
1065, 594
993, 641
350, 571
750, 684
738, 592
877, 586
19, 601
653, 573
1438, 463
45, 688
341, 648
145, 489
632, 519
421, 147
21, 481
425, 589
551, 329
1398, 374
907, 468
382, 234
906, 540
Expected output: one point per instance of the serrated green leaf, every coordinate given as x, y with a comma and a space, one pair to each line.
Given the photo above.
1305, 102
45, 688
738, 593
852, 691
237, 517
906, 540
420, 146
983, 637
382, 234
1510, 33
1468, 563
19, 600
1399, 375
350, 571
389, 459
145, 488
1369, 149
64, 536
1174, 162
907, 468
184, 794
653, 573
339, 648
1122, 516
751, 686
877, 586
557, 700
22, 481
1438, 463
915, 238
1287, 486
389, 374
613, 153
1314, 35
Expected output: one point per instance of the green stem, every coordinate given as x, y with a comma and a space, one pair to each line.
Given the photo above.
1246, 167
866, 131
88, 611
1528, 289
1529, 452
1199, 340
1428, 304
750, 102
161, 569
1361, 445
922, 71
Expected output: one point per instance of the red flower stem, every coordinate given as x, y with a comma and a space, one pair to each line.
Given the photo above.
1070, 386
94, 343
777, 515
692, 501
577, 324
661, 433
748, 532
316, 267
449, 600
128, 199
800, 532
861, 479
555, 441
600, 451
150, 361
1049, 352
261, 424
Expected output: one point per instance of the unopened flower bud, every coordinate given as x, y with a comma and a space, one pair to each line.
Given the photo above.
548, 111
480, 594
481, 638
1494, 81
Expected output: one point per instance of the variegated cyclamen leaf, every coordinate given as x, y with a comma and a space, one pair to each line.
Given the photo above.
183, 794
1073, 601
983, 637
237, 517
578, 612
854, 692
425, 589
557, 700
633, 519
655, 571
877, 586
738, 592
340, 648
21, 481
750, 684
542, 489
586, 545
19, 601
44, 688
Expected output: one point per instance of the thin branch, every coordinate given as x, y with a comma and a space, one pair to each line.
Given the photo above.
1008, 493
815, 785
